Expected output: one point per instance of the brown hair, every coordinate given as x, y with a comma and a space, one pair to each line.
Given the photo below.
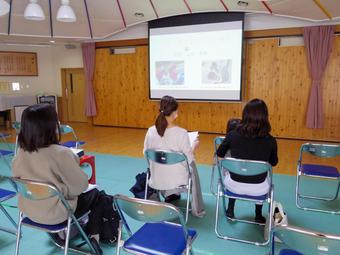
167, 106
39, 127
255, 122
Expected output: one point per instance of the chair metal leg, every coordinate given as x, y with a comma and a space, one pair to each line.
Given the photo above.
83, 234
219, 235
18, 233
11, 220
212, 179
188, 201
67, 238
119, 237
146, 185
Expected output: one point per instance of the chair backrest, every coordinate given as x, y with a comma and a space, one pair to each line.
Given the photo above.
34, 190
147, 211
321, 150
67, 129
245, 167
307, 241
17, 126
166, 157
218, 141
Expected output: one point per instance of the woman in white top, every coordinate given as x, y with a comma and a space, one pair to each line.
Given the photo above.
165, 135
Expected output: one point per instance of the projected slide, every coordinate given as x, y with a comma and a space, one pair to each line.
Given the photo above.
199, 62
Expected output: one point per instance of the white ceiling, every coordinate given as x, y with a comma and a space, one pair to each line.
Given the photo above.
107, 17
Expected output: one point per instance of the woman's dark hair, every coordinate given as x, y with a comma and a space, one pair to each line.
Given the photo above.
39, 127
255, 122
232, 124
167, 106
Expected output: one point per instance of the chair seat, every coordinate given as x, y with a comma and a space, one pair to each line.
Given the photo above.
320, 170
72, 144
6, 194
4, 135
6, 152
159, 238
289, 252
231, 194
45, 227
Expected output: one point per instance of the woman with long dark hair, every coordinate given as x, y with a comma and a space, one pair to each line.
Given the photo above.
250, 140
41, 158
166, 135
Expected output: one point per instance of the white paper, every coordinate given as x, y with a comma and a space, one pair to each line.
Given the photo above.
192, 137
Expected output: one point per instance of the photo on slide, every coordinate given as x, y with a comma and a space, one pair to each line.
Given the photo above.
169, 72
216, 71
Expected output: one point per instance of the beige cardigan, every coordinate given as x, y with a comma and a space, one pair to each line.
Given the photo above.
57, 165
167, 177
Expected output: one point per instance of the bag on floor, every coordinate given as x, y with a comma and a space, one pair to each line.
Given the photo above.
279, 219
138, 189
111, 218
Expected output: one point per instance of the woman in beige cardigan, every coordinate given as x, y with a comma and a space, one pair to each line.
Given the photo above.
41, 158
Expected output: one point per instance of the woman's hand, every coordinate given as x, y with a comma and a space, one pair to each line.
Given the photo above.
195, 145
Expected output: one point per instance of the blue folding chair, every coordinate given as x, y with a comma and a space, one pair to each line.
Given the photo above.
322, 172
4, 196
8, 151
170, 158
217, 142
244, 168
34, 190
66, 129
157, 235
299, 241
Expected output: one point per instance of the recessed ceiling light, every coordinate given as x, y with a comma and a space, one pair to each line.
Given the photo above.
52, 41
242, 3
139, 14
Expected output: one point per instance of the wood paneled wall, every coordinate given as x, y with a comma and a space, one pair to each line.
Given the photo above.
279, 75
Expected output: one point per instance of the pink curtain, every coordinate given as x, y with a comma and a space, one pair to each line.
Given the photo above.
89, 58
318, 44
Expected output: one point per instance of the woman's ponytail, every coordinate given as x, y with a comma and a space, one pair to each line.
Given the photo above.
167, 106
161, 124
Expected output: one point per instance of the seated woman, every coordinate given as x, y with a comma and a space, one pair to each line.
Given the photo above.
165, 135
250, 140
41, 158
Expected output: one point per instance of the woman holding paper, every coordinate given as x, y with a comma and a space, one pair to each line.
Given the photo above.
166, 135
41, 158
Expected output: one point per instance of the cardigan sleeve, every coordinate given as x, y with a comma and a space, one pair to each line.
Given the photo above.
71, 175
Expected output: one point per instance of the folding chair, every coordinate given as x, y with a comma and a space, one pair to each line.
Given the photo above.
157, 235
324, 172
244, 168
169, 158
217, 142
4, 196
66, 129
299, 241
34, 190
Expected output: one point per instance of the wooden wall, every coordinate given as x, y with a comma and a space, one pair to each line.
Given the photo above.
279, 75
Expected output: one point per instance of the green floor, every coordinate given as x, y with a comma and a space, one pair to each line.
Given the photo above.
115, 174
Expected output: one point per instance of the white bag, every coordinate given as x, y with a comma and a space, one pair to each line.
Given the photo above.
279, 219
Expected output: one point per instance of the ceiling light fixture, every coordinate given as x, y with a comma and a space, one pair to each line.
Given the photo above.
139, 15
4, 7
34, 11
242, 3
66, 13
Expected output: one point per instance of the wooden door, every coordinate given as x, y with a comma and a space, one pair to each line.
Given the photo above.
74, 91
